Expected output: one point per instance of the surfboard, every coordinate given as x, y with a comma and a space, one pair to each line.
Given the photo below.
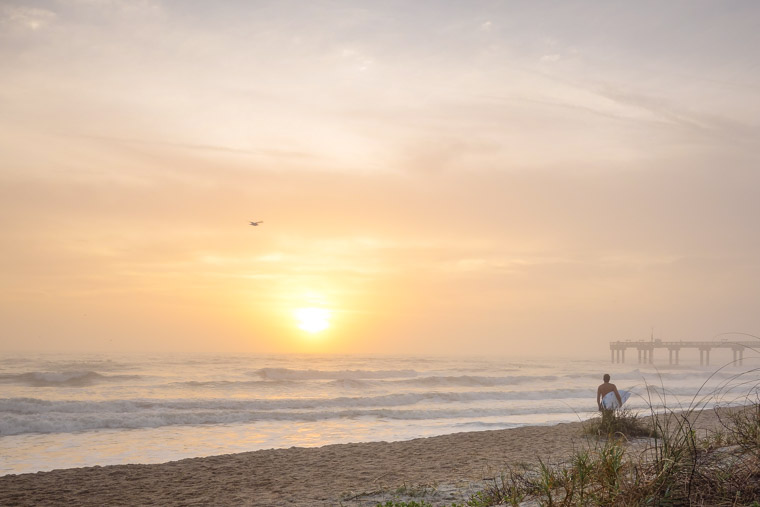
610, 401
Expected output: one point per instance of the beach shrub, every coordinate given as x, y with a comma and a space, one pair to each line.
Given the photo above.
510, 488
422, 503
743, 428
618, 423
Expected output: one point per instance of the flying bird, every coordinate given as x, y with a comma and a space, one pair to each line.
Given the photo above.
257, 223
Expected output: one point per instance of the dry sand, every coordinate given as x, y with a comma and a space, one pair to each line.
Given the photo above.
358, 474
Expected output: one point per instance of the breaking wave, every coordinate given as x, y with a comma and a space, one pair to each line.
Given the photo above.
62, 379
289, 374
30, 415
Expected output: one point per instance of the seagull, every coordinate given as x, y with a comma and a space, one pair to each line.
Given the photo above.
257, 223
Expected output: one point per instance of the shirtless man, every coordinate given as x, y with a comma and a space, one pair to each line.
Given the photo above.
605, 388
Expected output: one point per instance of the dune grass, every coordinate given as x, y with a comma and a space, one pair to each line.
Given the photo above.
621, 423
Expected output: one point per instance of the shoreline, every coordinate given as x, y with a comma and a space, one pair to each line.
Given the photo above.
352, 474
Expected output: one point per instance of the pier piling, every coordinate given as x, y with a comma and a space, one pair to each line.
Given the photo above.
645, 350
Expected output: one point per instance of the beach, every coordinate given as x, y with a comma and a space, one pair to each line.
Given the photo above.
356, 474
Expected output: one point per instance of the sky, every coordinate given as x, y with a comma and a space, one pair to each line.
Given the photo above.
521, 178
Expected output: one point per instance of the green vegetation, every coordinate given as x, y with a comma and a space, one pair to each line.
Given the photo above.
618, 423
421, 503
391, 503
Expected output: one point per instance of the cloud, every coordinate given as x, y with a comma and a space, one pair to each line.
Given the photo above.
25, 18
718, 126
120, 5
356, 59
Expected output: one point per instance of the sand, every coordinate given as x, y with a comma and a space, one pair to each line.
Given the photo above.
446, 468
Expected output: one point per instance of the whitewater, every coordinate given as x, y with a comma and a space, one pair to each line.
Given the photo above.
63, 412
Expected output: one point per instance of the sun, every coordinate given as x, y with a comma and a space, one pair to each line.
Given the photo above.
312, 320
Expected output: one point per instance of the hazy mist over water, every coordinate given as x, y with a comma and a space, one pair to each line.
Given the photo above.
59, 412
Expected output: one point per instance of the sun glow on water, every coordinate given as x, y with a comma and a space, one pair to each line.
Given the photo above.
312, 320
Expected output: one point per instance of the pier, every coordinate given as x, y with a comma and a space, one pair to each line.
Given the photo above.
645, 349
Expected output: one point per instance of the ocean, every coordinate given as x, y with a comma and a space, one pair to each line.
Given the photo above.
63, 412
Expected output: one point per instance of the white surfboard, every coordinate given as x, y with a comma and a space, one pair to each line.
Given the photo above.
610, 402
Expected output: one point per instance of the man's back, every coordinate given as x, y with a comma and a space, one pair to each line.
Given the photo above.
606, 388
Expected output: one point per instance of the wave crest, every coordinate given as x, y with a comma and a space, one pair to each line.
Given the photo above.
28, 415
289, 374
62, 379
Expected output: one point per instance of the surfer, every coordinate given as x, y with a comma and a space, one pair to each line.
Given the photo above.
603, 390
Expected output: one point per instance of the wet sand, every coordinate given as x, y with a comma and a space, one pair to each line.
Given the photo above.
344, 474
